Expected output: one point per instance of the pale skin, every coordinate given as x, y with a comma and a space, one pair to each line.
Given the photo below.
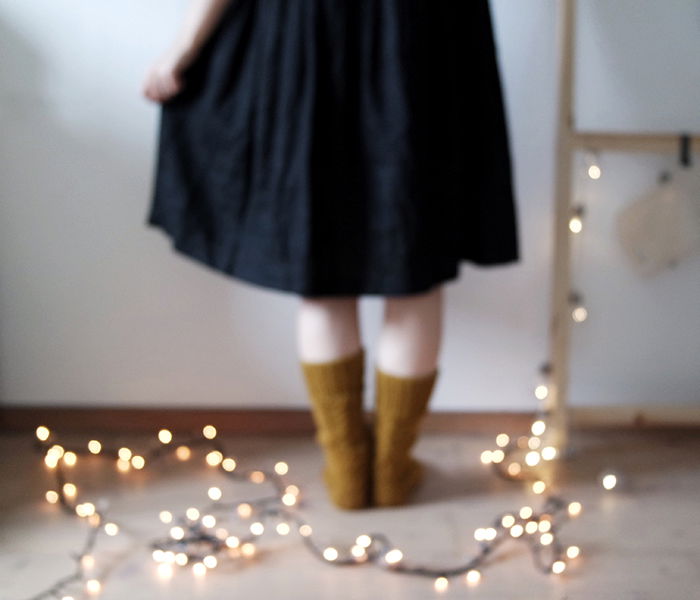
327, 327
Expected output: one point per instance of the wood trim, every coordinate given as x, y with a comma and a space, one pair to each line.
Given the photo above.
299, 421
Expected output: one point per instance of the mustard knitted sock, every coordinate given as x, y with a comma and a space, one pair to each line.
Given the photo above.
400, 404
336, 391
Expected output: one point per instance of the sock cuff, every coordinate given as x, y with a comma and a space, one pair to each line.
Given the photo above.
338, 375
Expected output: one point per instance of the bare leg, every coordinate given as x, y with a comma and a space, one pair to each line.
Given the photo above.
411, 335
327, 328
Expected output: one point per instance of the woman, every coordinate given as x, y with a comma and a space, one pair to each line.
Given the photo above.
330, 149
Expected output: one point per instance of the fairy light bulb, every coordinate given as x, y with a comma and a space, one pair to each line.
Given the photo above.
94, 447
281, 468
138, 462
232, 541
574, 509
228, 464
609, 481
181, 559
544, 525
531, 527
579, 314
497, 456
525, 512
486, 457
192, 514
248, 549
282, 528
358, 551
517, 530
42, 433
70, 458
257, 528
546, 539
548, 452
209, 432
393, 556
111, 529
177, 533
575, 224
51, 461
573, 551
539, 486
123, 465
214, 493
289, 499
244, 510
502, 440
52, 497
165, 516
363, 540
210, 561
70, 490
214, 458
507, 520
164, 570
183, 453
256, 476
124, 453
441, 584
514, 469
537, 428
534, 442
330, 553
209, 521
541, 391
305, 530
558, 566
594, 171
93, 586
490, 533
532, 458
165, 436
87, 561
199, 569
473, 576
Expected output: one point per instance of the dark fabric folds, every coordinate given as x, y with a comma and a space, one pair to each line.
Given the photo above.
340, 147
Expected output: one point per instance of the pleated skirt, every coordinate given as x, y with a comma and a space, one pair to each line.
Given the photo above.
340, 147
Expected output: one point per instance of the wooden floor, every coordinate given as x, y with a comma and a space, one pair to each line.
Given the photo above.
639, 541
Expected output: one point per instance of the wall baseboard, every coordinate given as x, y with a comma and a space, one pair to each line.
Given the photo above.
299, 421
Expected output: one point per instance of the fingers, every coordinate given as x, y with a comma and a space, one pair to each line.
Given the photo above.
161, 87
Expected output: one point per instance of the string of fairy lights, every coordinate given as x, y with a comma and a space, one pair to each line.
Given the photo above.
201, 538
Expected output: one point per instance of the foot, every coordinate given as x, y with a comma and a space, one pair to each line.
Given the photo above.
393, 486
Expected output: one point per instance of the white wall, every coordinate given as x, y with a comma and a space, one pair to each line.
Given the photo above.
95, 308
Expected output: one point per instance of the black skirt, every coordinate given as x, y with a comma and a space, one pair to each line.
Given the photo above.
340, 147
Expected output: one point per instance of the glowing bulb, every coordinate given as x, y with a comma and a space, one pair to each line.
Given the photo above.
165, 436
545, 525
181, 559
575, 224
138, 462
257, 476
573, 551
541, 391
42, 433
531, 527
363, 540
538, 427
305, 530
214, 493
486, 457
94, 446
209, 521
393, 556
199, 569
558, 566
123, 465
232, 541
52, 497
548, 452
93, 586
490, 533
330, 553
124, 453
441, 584
507, 520
289, 499
87, 561
358, 551
210, 561
502, 439
283, 528
257, 528
579, 314
479, 534
497, 456
594, 172
165, 516
214, 458
609, 481
177, 533
546, 539
183, 453
248, 549
70, 458
514, 469
192, 514
538, 487
228, 464
574, 509
70, 490
281, 468
532, 458
534, 442
221, 533
51, 461
292, 489
525, 512
516, 530
244, 510
473, 576
111, 529
209, 432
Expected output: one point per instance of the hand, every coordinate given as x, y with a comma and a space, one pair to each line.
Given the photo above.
165, 77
